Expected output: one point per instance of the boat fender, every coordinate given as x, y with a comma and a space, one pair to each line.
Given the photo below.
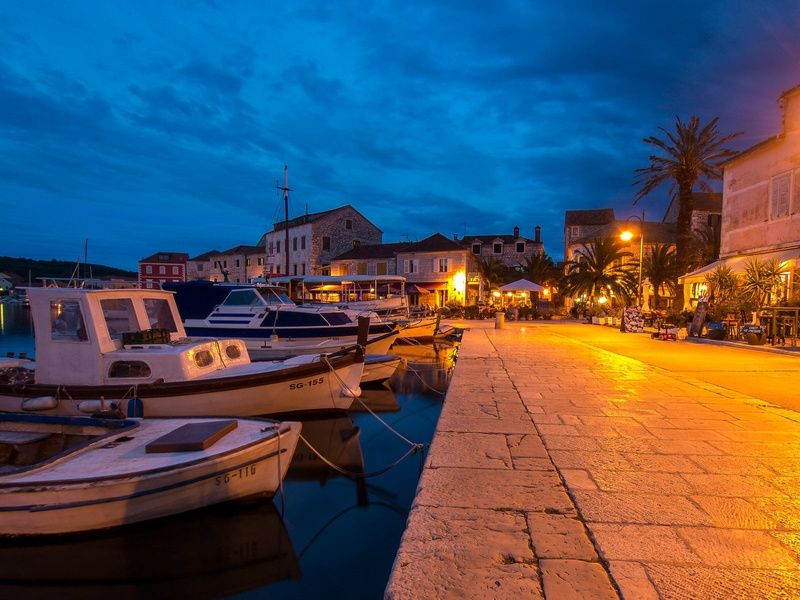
40, 403
97, 406
135, 408
351, 393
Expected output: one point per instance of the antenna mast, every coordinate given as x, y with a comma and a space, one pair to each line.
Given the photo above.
286, 189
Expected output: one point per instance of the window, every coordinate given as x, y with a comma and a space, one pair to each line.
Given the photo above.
148, 269
233, 352
199, 267
246, 262
780, 196
497, 247
159, 314
348, 223
476, 248
236, 263
119, 316
175, 270
520, 246
242, 298
203, 358
411, 266
304, 269
294, 243
129, 368
260, 261
441, 265
383, 268
162, 270
163, 257
326, 242
361, 269
295, 268
303, 243
278, 247
224, 264
67, 321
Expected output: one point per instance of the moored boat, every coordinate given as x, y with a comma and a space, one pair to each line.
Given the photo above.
74, 474
127, 351
271, 325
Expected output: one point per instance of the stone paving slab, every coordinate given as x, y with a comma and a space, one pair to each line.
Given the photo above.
561, 469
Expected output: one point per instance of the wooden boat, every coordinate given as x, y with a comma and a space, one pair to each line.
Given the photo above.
126, 351
271, 325
380, 367
114, 472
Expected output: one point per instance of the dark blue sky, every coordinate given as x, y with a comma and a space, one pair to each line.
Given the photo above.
149, 126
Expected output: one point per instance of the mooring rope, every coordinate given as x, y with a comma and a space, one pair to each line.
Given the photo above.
357, 474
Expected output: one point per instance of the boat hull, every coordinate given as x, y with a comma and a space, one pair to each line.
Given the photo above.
313, 386
380, 367
268, 349
420, 330
45, 507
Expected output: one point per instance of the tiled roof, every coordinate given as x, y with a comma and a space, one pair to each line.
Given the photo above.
365, 251
167, 257
434, 243
654, 232
244, 249
599, 216
707, 201
204, 256
485, 239
311, 217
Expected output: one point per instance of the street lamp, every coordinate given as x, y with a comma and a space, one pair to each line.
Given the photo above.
627, 236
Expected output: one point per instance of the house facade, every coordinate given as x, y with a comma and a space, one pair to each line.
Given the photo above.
315, 239
761, 206
584, 224
162, 267
511, 250
435, 268
199, 267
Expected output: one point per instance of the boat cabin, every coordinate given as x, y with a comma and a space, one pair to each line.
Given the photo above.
130, 336
382, 294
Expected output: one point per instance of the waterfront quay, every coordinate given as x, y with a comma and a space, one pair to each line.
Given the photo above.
574, 461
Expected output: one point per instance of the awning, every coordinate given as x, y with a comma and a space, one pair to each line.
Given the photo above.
522, 285
413, 288
738, 264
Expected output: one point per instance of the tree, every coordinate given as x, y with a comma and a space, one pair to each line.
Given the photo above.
491, 271
723, 292
539, 268
660, 267
691, 156
598, 269
760, 280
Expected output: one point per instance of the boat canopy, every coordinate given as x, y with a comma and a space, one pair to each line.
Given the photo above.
336, 279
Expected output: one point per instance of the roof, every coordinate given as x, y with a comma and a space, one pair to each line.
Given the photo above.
311, 217
598, 216
739, 263
654, 232
244, 249
365, 251
701, 201
507, 239
204, 255
166, 257
434, 243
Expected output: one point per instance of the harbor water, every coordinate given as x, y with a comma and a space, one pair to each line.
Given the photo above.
326, 535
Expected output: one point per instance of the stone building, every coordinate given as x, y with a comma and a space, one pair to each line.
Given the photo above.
581, 224
200, 266
706, 216
314, 239
161, 267
761, 206
435, 268
238, 264
511, 250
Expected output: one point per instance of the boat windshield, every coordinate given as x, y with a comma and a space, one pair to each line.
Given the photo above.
67, 321
274, 296
119, 315
159, 314
243, 298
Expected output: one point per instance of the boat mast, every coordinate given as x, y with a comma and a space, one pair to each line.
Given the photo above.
286, 191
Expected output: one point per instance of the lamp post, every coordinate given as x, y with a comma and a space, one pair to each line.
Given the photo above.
627, 236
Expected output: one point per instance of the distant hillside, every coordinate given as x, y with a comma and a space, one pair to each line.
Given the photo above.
55, 268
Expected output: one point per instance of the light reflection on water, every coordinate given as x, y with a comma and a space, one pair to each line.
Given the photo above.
337, 538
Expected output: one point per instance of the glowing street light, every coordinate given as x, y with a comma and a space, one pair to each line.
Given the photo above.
627, 236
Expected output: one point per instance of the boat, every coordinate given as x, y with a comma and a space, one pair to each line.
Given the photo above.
126, 351
74, 474
209, 553
380, 367
383, 295
272, 326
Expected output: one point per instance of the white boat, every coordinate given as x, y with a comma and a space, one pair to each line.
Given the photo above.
116, 472
126, 351
383, 295
380, 367
271, 325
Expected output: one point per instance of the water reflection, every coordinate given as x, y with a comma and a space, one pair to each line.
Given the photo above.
205, 554
16, 329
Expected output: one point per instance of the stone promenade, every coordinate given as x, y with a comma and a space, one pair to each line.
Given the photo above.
561, 469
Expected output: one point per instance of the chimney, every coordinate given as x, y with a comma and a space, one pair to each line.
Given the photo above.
537, 234
455, 237
516, 232
356, 243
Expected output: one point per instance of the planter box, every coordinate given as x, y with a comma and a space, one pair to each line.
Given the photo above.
755, 339
595, 320
716, 334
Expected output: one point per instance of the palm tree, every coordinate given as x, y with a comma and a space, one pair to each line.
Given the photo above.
760, 280
661, 269
539, 268
691, 157
723, 284
491, 271
598, 269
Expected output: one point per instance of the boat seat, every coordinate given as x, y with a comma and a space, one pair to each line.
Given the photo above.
192, 437
17, 438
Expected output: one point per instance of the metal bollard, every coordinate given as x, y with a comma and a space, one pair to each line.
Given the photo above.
499, 320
